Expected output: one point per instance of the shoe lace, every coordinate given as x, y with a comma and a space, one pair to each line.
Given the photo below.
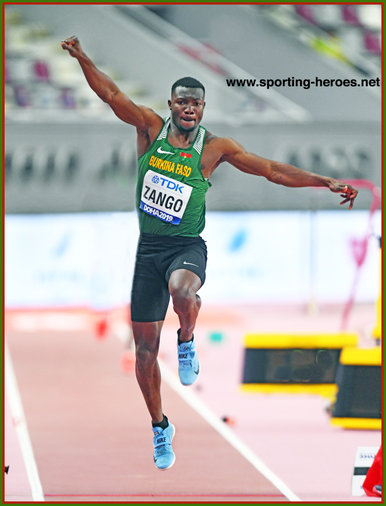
161, 449
185, 359
185, 364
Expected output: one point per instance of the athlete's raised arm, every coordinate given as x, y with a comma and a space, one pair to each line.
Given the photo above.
280, 173
139, 116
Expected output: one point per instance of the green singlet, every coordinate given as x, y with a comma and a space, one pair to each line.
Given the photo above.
171, 188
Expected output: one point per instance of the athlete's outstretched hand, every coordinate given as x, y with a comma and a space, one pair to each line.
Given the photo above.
72, 45
347, 191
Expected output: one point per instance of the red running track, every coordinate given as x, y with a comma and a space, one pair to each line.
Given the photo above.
92, 438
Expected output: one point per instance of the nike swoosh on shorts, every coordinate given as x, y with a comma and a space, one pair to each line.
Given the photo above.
189, 263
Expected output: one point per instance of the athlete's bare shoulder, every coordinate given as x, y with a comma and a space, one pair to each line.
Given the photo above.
210, 137
221, 145
214, 150
147, 129
151, 118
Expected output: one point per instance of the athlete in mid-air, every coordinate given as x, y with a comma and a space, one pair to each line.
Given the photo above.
176, 158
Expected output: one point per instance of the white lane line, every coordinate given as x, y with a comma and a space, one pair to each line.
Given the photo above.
17, 412
191, 398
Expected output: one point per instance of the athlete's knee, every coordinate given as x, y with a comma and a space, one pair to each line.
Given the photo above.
184, 298
145, 353
147, 340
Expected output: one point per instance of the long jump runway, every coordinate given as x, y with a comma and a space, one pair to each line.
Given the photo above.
91, 434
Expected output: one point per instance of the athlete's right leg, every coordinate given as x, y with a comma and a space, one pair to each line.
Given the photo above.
149, 302
147, 339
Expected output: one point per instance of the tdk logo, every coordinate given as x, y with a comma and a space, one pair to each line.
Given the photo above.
169, 184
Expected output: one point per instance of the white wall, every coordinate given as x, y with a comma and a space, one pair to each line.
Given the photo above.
256, 257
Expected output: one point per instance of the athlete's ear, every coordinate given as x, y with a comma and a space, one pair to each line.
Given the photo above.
170, 104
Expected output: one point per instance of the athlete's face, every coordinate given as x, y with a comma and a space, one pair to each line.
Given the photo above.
187, 107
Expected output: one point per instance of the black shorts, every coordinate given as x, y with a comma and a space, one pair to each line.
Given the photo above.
157, 257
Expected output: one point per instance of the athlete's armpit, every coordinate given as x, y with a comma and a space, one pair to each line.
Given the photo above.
212, 155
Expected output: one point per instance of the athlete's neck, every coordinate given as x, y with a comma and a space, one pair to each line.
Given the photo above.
179, 138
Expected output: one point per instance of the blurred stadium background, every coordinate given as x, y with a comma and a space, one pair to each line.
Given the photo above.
70, 164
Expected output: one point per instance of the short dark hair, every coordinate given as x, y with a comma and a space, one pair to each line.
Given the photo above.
188, 82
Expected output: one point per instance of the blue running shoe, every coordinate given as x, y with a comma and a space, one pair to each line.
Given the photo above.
163, 452
188, 365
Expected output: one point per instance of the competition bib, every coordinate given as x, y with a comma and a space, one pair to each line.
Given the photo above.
164, 197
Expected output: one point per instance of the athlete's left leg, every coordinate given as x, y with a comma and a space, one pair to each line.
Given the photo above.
183, 288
